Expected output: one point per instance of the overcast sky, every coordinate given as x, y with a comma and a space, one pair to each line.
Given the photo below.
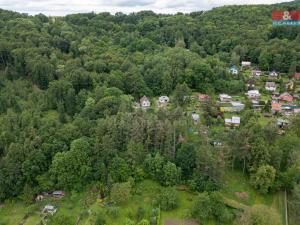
63, 7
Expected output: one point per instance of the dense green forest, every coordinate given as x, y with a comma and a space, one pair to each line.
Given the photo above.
67, 118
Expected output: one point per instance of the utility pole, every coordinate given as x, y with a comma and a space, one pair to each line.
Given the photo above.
286, 209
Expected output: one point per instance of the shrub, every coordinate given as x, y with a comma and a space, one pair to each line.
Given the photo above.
100, 220
168, 199
113, 211
120, 192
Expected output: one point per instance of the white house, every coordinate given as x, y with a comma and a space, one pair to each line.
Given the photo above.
145, 102
49, 209
234, 70
196, 117
233, 122
58, 194
225, 97
236, 120
253, 94
163, 100
273, 75
270, 86
238, 105
246, 64
256, 73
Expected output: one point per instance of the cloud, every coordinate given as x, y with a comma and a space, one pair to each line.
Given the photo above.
63, 7
129, 3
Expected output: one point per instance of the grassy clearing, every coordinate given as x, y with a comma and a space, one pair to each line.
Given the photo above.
12, 213
236, 182
75, 204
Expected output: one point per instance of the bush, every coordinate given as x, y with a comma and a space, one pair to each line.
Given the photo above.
144, 222
61, 219
140, 213
113, 211
168, 199
211, 206
100, 220
120, 192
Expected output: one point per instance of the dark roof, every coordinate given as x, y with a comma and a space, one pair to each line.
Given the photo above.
144, 98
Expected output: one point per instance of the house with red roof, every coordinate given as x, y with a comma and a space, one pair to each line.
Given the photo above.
203, 97
286, 97
276, 107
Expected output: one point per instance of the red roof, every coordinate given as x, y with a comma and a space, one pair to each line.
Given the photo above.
286, 97
276, 107
203, 97
297, 75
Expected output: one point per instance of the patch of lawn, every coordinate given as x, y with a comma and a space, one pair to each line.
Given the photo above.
185, 202
237, 182
146, 192
12, 213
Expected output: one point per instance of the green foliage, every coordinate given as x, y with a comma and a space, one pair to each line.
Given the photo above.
140, 213
171, 174
61, 219
186, 159
68, 86
100, 220
144, 222
119, 170
211, 206
168, 199
72, 169
264, 178
294, 203
120, 192
259, 215
166, 173
113, 211
201, 209
182, 94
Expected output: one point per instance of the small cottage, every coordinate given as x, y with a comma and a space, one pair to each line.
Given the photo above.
39, 198
270, 86
297, 111
297, 76
235, 107
251, 84
289, 86
58, 194
273, 75
234, 70
233, 122
282, 123
256, 73
276, 108
216, 143
246, 64
196, 117
145, 102
163, 100
49, 209
203, 97
253, 94
225, 98
286, 97
238, 106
